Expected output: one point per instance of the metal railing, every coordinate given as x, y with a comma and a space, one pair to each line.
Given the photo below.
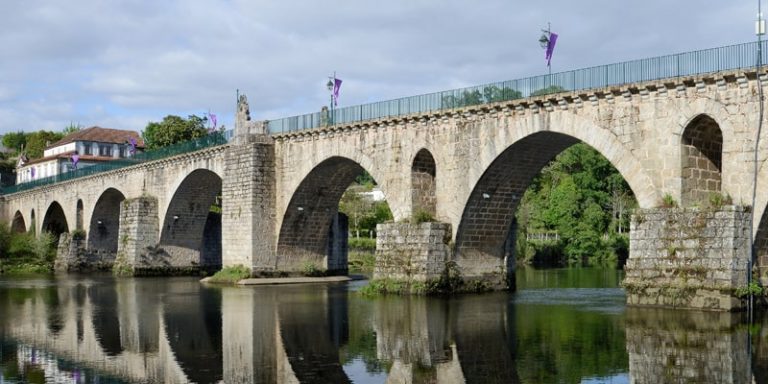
663, 67
211, 140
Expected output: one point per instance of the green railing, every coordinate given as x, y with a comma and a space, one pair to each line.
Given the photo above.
655, 68
211, 140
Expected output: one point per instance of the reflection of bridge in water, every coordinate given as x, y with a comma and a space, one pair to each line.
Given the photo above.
177, 331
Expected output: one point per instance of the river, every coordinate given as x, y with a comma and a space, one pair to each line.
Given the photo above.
560, 326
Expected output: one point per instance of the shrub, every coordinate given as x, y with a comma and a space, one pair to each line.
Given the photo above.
668, 201
422, 216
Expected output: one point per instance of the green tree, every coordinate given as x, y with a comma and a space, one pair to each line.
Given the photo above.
548, 90
174, 129
15, 140
488, 94
582, 197
38, 141
71, 128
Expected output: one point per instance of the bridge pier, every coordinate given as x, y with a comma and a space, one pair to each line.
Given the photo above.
138, 235
688, 257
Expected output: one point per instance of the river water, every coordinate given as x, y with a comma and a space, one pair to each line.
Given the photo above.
561, 326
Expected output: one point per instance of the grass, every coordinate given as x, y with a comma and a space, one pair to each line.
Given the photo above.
231, 275
361, 262
25, 266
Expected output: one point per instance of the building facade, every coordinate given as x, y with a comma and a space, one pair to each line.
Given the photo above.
80, 149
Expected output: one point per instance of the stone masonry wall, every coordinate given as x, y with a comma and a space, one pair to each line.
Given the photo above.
688, 257
248, 204
413, 252
692, 347
139, 233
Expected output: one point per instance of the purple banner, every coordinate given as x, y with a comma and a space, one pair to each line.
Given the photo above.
551, 47
133, 145
336, 87
75, 159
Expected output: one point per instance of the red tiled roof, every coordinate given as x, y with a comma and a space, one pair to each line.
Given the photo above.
101, 135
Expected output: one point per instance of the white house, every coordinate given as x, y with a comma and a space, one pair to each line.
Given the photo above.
91, 146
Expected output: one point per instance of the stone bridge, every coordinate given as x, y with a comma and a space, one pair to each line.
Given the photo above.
681, 140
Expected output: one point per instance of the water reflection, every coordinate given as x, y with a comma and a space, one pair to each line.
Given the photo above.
89, 330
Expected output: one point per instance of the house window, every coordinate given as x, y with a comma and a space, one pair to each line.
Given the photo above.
123, 151
105, 150
87, 149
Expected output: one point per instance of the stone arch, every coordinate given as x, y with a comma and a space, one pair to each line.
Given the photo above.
308, 223
104, 226
191, 233
701, 160
79, 215
484, 237
423, 173
55, 221
18, 225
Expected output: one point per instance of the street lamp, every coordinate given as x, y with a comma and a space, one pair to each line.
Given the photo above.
759, 31
330, 84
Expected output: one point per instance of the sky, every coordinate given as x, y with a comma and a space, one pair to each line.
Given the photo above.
124, 63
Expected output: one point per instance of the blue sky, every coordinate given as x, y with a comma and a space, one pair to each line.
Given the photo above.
121, 64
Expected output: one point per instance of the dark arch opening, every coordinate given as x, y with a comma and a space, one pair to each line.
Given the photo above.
314, 231
104, 228
701, 160
79, 215
106, 321
18, 225
55, 221
193, 325
423, 171
191, 232
487, 236
32, 222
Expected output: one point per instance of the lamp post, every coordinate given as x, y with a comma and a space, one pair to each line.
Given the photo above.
330, 84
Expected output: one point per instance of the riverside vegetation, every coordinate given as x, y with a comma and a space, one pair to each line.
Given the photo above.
25, 253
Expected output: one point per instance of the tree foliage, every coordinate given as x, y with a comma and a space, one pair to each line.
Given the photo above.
583, 198
38, 141
488, 94
15, 140
174, 129
548, 90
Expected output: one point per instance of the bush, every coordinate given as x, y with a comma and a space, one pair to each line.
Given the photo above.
422, 216
668, 201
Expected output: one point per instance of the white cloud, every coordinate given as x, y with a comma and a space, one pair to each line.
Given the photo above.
122, 63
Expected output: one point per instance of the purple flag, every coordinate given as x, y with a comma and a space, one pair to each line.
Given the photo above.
75, 158
336, 86
33, 172
550, 47
212, 118
133, 145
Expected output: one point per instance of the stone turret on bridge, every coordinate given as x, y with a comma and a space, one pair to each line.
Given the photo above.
684, 141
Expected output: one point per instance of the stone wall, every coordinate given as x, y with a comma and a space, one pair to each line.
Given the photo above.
248, 204
687, 347
412, 252
688, 257
139, 233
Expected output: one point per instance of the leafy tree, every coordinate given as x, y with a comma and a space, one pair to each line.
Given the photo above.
548, 90
38, 141
582, 197
488, 94
15, 140
174, 129
71, 128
